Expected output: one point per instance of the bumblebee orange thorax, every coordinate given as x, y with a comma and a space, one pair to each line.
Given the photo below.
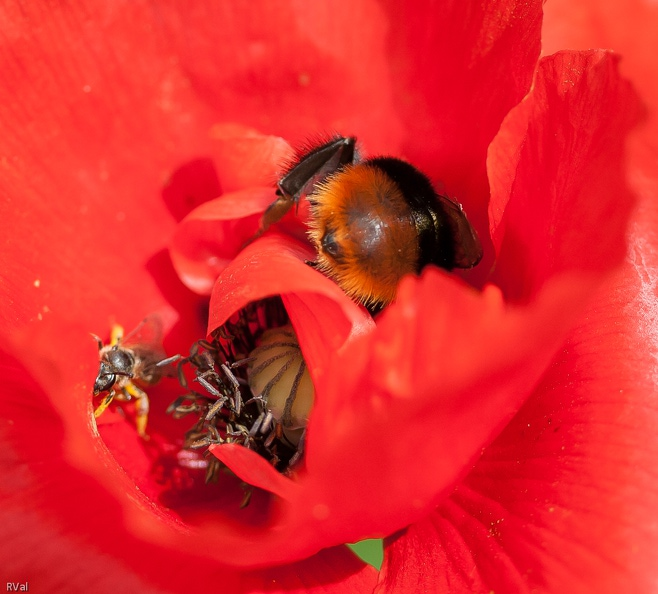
364, 232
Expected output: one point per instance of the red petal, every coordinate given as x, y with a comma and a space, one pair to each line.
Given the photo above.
560, 501
293, 66
245, 158
323, 317
254, 469
433, 384
447, 59
89, 137
559, 196
67, 509
432, 556
213, 234
334, 571
630, 29
92, 130
359, 410
241, 158
62, 486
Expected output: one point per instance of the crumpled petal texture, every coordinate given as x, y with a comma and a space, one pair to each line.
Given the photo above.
466, 363
571, 128
456, 61
560, 501
102, 125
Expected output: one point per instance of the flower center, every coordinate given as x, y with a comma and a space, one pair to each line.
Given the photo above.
256, 388
278, 375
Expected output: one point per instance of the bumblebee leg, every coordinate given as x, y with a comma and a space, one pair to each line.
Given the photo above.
142, 406
275, 211
104, 404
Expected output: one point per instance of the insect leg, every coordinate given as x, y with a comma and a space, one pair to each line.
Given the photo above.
142, 406
104, 404
169, 360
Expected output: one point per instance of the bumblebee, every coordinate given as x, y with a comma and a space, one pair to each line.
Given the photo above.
137, 358
373, 220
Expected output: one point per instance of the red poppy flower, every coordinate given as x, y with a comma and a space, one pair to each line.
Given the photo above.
462, 415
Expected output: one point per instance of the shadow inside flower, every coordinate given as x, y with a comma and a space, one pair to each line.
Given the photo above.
192, 184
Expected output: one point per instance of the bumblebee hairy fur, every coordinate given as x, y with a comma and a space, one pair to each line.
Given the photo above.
373, 220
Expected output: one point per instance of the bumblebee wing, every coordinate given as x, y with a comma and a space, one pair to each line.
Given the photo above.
468, 249
308, 169
315, 166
